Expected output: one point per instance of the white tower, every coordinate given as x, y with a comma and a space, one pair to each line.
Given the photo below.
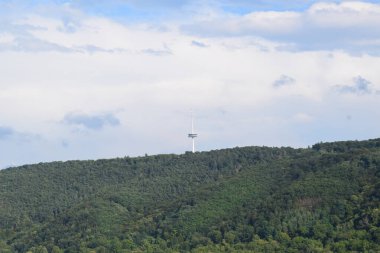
192, 135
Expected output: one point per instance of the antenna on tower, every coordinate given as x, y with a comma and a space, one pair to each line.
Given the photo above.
192, 135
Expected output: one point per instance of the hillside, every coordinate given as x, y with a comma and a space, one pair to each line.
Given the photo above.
252, 199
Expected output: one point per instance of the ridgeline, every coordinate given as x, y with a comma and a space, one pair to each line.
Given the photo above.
251, 199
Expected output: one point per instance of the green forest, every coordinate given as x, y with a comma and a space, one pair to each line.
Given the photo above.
325, 198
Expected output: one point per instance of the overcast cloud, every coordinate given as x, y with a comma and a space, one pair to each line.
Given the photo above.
118, 78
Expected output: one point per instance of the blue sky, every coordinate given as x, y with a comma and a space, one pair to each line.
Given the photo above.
84, 80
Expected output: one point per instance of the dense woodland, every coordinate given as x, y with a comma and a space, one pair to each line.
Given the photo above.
253, 199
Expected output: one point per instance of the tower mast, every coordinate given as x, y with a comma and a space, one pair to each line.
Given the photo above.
192, 135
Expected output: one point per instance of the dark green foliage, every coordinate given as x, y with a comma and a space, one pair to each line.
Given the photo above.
252, 199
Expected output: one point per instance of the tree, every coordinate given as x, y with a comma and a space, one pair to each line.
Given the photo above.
56, 249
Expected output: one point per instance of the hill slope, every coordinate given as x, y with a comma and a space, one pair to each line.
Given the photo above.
252, 199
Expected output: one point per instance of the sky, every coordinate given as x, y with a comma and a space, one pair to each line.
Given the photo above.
101, 79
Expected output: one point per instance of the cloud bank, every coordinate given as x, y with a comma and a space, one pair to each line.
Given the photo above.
81, 83
349, 25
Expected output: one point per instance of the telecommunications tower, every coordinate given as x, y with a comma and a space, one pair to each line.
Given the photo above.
192, 135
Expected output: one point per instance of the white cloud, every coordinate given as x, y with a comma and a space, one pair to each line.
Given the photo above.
349, 14
6, 38
324, 26
271, 22
303, 118
95, 34
149, 79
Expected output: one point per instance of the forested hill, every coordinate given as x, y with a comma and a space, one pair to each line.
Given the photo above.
252, 199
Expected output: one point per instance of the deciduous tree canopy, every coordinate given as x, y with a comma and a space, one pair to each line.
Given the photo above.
252, 199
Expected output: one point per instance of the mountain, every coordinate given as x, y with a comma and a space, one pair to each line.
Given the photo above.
252, 199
